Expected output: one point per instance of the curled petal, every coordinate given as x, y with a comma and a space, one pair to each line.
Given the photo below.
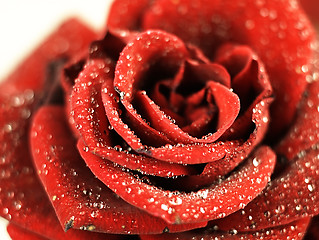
228, 109
249, 81
148, 48
86, 106
190, 153
113, 111
139, 163
237, 151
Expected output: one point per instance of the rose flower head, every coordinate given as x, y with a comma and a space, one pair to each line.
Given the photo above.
182, 120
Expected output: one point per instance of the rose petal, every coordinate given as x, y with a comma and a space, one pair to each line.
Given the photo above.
190, 153
175, 207
305, 131
197, 54
198, 72
71, 71
139, 55
249, 79
148, 48
169, 101
139, 163
291, 195
113, 111
86, 103
250, 82
87, 107
201, 124
23, 200
111, 45
294, 230
80, 200
213, 71
18, 233
174, 51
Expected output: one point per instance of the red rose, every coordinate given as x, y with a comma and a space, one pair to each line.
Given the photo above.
186, 120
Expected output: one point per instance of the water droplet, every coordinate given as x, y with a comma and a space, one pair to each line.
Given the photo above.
94, 214
267, 214
164, 207
176, 201
310, 188
17, 205
5, 211
249, 24
298, 207
256, 162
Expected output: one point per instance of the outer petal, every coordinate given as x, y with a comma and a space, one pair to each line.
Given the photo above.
176, 207
290, 196
80, 200
23, 200
18, 233
294, 230
304, 133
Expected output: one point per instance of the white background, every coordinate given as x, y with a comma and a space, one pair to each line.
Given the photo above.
24, 24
